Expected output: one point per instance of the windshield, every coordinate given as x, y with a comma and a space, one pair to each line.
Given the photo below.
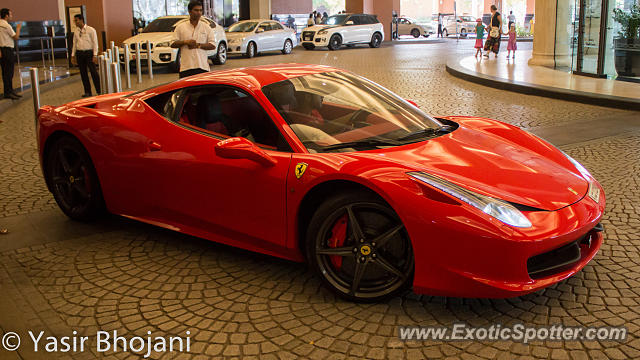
328, 109
335, 20
243, 26
161, 25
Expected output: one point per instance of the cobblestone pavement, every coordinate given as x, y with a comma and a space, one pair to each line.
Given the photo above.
136, 278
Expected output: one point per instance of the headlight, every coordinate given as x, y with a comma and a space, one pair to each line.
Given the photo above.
322, 32
499, 209
164, 44
583, 171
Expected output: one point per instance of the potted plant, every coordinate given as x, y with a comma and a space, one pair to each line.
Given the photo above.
627, 45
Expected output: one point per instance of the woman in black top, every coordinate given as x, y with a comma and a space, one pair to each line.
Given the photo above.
493, 39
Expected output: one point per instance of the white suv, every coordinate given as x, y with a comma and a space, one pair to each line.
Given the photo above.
159, 33
344, 29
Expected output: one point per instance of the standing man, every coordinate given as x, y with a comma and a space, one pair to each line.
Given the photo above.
193, 38
439, 25
85, 54
7, 57
512, 18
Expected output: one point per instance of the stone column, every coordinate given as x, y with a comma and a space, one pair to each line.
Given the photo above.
544, 41
260, 9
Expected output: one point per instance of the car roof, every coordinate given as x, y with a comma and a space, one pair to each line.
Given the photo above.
253, 77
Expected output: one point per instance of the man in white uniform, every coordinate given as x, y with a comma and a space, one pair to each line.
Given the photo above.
85, 54
193, 38
7, 57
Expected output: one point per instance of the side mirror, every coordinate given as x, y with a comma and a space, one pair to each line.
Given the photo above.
241, 148
259, 30
350, 22
412, 103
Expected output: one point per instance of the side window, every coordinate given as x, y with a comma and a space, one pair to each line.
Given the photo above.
165, 104
264, 26
276, 26
225, 112
373, 19
357, 19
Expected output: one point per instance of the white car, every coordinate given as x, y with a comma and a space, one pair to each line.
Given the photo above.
250, 37
465, 25
344, 29
159, 33
407, 26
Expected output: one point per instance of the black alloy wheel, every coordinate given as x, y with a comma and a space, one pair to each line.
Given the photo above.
251, 50
415, 33
335, 42
376, 40
221, 54
73, 180
288, 46
359, 247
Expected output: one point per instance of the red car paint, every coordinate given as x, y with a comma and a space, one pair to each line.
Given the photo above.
160, 172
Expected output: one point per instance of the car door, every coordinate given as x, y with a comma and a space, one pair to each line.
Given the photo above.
279, 35
190, 185
264, 36
403, 26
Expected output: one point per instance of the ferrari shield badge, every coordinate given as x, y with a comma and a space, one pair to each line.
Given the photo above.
300, 169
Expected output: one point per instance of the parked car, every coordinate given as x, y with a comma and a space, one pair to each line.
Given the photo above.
159, 33
344, 29
250, 37
312, 163
407, 26
429, 24
465, 25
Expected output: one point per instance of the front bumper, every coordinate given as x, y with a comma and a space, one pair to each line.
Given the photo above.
159, 55
461, 254
235, 48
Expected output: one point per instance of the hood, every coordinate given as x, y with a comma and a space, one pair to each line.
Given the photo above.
154, 37
497, 160
319, 27
238, 35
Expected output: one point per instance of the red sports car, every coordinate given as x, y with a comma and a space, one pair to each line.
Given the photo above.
312, 163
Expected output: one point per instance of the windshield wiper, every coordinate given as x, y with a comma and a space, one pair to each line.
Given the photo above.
361, 144
428, 132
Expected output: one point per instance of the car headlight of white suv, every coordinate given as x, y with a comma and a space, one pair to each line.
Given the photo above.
323, 32
164, 44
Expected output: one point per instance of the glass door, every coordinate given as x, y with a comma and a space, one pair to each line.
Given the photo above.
591, 25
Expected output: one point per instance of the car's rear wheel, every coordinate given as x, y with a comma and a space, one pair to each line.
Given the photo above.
251, 50
415, 33
73, 180
221, 55
359, 247
335, 42
288, 46
376, 40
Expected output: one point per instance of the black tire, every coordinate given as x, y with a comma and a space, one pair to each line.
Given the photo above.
221, 54
415, 33
385, 268
308, 46
463, 33
376, 40
445, 33
287, 47
175, 66
251, 50
73, 180
335, 42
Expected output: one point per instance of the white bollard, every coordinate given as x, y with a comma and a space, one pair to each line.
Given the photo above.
108, 82
35, 88
138, 64
126, 65
116, 78
101, 72
149, 60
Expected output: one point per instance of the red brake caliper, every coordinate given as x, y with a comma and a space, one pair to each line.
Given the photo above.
338, 236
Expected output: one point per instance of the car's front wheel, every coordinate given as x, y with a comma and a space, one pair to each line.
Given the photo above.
335, 42
221, 55
463, 32
359, 248
376, 40
288, 46
73, 180
415, 33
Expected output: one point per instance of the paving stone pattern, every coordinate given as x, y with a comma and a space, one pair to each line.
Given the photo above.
139, 278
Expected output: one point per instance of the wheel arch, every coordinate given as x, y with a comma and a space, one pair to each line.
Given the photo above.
319, 193
51, 139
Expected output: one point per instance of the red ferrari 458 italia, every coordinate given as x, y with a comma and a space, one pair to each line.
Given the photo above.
312, 163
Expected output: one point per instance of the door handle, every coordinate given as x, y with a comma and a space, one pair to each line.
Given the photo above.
154, 146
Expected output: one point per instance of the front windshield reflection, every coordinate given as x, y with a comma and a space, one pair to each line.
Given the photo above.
243, 26
333, 108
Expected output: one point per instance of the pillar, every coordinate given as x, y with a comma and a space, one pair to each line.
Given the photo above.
382, 8
260, 9
545, 51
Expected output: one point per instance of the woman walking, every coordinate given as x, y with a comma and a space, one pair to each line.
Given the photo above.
493, 40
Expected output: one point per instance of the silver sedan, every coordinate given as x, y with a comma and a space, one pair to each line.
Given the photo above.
249, 37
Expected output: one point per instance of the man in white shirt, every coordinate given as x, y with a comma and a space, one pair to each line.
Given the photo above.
7, 57
194, 38
85, 53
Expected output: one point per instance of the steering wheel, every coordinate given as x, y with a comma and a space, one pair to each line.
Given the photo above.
354, 120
